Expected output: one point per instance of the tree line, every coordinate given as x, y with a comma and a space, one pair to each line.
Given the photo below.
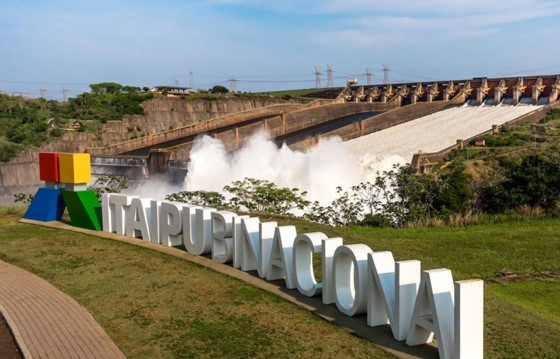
400, 197
32, 122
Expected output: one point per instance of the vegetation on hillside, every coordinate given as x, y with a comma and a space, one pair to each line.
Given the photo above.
28, 123
31, 122
521, 181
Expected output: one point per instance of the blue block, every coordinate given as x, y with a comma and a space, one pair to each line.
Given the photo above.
47, 205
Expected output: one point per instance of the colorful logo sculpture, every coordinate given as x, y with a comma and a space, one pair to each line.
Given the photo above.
66, 176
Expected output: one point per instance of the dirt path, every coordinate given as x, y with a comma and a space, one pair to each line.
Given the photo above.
507, 277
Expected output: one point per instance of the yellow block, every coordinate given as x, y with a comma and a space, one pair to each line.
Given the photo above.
74, 167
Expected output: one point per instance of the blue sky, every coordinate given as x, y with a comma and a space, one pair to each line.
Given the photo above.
269, 45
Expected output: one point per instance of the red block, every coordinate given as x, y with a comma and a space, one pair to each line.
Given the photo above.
48, 167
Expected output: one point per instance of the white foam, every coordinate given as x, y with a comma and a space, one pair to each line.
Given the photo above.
335, 163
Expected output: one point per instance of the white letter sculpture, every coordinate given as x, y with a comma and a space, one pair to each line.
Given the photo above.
350, 278
199, 230
281, 265
469, 319
305, 245
222, 232
136, 224
392, 289
434, 312
170, 224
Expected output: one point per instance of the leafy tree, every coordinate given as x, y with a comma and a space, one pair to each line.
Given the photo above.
264, 196
106, 88
533, 181
109, 184
345, 210
218, 89
199, 198
24, 198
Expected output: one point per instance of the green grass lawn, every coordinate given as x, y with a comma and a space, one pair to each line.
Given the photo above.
158, 306
155, 305
541, 296
481, 251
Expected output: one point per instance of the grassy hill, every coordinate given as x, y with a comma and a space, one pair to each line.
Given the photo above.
154, 305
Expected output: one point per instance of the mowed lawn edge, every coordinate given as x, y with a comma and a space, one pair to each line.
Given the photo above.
510, 328
156, 305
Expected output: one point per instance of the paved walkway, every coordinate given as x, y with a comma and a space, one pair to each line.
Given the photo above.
47, 323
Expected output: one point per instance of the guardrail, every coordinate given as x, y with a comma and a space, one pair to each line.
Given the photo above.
217, 122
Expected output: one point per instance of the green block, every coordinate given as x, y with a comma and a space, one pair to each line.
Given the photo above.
84, 209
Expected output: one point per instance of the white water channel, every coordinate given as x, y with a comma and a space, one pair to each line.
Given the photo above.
335, 163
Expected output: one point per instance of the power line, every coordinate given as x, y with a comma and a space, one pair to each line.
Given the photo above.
369, 76
232, 84
191, 79
317, 78
386, 74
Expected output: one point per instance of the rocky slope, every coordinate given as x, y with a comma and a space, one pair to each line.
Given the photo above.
161, 114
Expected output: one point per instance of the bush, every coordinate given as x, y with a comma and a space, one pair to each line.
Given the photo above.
8, 151
376, 220
199, 198
534, 181
24, 198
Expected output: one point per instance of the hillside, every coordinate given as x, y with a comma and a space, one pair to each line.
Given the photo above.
153, 115
516, 259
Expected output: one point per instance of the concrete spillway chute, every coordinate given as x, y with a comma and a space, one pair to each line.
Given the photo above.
500, 91
555, 91
538, 88
518, 90
464, 92
346, 93
433, 92
388, 93
402, 93
450, 91
374, 94
360, 94
417, 93
482, 91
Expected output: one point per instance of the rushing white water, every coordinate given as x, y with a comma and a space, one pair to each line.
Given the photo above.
335, 163
437, 131
319, 171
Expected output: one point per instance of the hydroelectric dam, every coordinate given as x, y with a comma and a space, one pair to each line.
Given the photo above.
420, 122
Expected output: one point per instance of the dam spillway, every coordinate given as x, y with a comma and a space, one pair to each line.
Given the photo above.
439, 130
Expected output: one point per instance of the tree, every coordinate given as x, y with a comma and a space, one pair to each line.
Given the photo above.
218, 89
24, 198
106, 88
199, 198
109, 184
264, 196
533, 181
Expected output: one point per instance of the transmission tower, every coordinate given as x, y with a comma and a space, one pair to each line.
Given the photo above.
191, 79
64, 95
369, 76
177, 83
233, 84
386, 74
317, 78
42, 92
329, 76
